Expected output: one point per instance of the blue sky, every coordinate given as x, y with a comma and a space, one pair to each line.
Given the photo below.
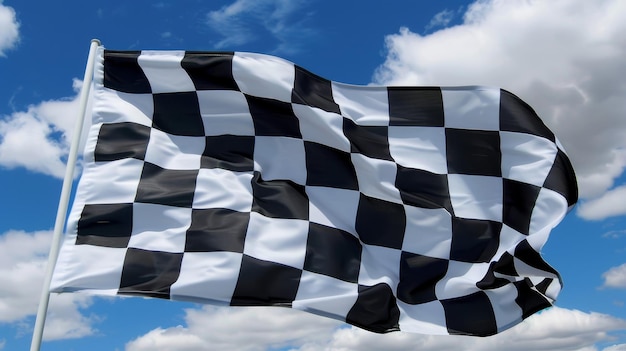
564, 57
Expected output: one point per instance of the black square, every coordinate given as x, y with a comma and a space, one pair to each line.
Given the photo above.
279, 198
107, 225
423, 189
380, 222
329, 167
562, 178
474, 240
415, 106
313, 90
470, 315
273, 117
527, 254
166, 186
475, 152
528, 299
375, 309
505, 265
519, 201
370, 141
231, 152
149, 273
544, 285
121, 140
490, 280
217, 229
418, 276
123, 73
332, 252
178, 114
210, 70
517, 116
264, 283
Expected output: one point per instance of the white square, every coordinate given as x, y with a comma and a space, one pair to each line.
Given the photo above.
460, 279
419, 147
280, 158
550, 208
428, 232
207, 276
526, 158
324, 295
505, 308
111, 106
425, 318
110, 182
174, 151
508, 241
322, 127
471, 108
379, 265
164, 71
277, 240
365, 105
332, 207
376, 178
100, 268
476, 197
225, 112
264, 76
159, 227
220, 188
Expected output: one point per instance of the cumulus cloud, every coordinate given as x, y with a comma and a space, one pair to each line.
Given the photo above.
245, 329
615, 277
271, 328
611, 203
39, 138
23, 257
9, 28
563, 57
243, 20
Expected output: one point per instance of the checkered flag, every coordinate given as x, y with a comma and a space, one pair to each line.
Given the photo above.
242, 179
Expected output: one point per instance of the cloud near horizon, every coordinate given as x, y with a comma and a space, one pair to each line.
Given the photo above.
268, 328
23, 258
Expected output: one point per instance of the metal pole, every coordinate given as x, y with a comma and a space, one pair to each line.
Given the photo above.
59, 224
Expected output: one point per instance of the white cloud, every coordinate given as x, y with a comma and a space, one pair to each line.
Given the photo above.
9, 29
38, 139
23, 257
242, 21
620, 347
611, 203
244, 329
614, 234
253, 329
564, 57
441, 19
615, 277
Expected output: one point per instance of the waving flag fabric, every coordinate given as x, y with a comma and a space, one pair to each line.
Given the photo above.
242, 179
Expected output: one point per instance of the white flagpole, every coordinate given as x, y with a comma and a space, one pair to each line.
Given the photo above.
59, 224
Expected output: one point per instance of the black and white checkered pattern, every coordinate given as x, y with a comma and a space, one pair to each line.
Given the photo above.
242, 179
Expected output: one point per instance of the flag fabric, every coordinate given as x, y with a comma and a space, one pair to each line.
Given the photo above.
243, 179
